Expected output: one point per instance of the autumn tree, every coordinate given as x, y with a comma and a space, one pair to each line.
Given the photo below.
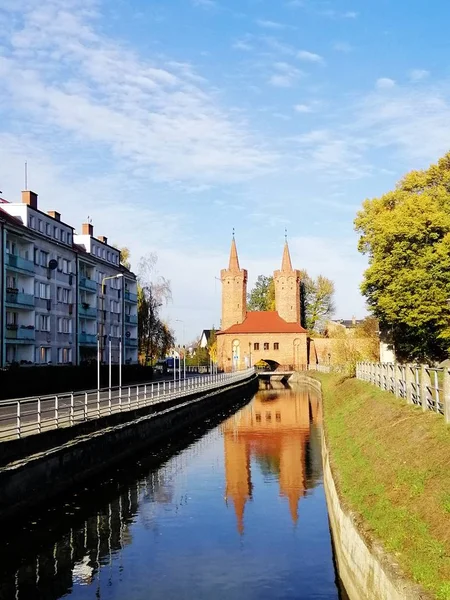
316, 299
406, 235
155, 336
124, 256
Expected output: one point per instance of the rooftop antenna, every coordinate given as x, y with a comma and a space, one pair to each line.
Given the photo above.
26, 176
285, 234
233, 233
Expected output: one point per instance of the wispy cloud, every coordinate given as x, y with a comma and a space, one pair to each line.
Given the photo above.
266, 24
156, 116
385, 83
334, 14
242, 45
285, 75
310, 57
418, 75
303, 108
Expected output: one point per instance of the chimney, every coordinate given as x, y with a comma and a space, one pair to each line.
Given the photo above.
30, 198
87, 229
103, 239
55, 215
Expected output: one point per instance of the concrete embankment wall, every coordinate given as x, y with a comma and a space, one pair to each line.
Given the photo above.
35, 478
365, 569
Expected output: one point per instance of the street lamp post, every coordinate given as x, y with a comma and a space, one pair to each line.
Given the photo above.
118, 276
184, 355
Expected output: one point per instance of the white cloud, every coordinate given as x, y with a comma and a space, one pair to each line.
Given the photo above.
334, 14
418, 75
242, 45
270, 24
384, 83
302, 108
310, 57
285, 75
156, 116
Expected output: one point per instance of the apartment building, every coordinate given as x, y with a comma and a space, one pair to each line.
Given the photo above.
53, 308
107, 300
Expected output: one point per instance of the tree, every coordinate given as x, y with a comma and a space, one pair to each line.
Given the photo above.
262, 296
316, 298
316, 301
406, 235
155, 336
124, 256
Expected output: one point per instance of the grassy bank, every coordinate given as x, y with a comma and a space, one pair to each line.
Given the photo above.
391, 463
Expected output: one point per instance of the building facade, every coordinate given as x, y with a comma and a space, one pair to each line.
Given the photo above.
45, 291
247, 337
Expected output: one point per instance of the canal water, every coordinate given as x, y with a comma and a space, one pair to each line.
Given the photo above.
235, 510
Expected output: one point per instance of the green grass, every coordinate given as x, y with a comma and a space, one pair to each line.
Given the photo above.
391, 462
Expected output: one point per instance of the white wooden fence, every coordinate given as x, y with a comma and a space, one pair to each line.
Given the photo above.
428, 387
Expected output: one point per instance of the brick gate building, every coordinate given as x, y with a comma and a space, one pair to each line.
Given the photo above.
276, 336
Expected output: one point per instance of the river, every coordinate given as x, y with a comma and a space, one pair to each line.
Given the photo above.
235, 510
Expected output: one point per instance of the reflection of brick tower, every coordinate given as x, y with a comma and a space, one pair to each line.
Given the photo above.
234, 291
292, 475
237, 474
287, 289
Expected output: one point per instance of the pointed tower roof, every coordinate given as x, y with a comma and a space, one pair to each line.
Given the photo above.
286, 264
234, 260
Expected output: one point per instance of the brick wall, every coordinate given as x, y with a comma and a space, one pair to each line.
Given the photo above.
291, 352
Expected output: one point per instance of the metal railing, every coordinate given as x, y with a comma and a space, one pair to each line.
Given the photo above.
21, 417
428, 387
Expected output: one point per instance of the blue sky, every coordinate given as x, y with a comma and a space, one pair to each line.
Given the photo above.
169, 122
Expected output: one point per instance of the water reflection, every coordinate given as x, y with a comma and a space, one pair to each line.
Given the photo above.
275, 429
236, 510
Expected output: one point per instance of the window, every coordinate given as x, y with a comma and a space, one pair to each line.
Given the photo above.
278, 417
266, 345
10, 247
44, 355
44, 291
69, 238
63, 236
256, 346
44, 322
11, 282
64, 355
32, 222
109, 255
11, 318
55, 233
41, 225
64, 325
43, 258
36, 256
276, 346
104, 254
48, 229
66, 265
258, 417
63, 295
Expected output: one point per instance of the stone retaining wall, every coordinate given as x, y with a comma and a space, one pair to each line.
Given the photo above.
366, 570
36, 478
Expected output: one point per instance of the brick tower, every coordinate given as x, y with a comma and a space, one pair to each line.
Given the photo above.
287, 289
234, 291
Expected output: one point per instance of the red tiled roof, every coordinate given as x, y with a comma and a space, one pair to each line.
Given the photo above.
264, 322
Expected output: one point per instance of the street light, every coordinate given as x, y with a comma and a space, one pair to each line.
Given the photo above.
103, 291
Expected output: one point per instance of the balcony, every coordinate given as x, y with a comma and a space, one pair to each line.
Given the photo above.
88, 284
20, 264
87, 339
19, 300
20, 333
85, 310
129, 297
131, 319
131, 342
